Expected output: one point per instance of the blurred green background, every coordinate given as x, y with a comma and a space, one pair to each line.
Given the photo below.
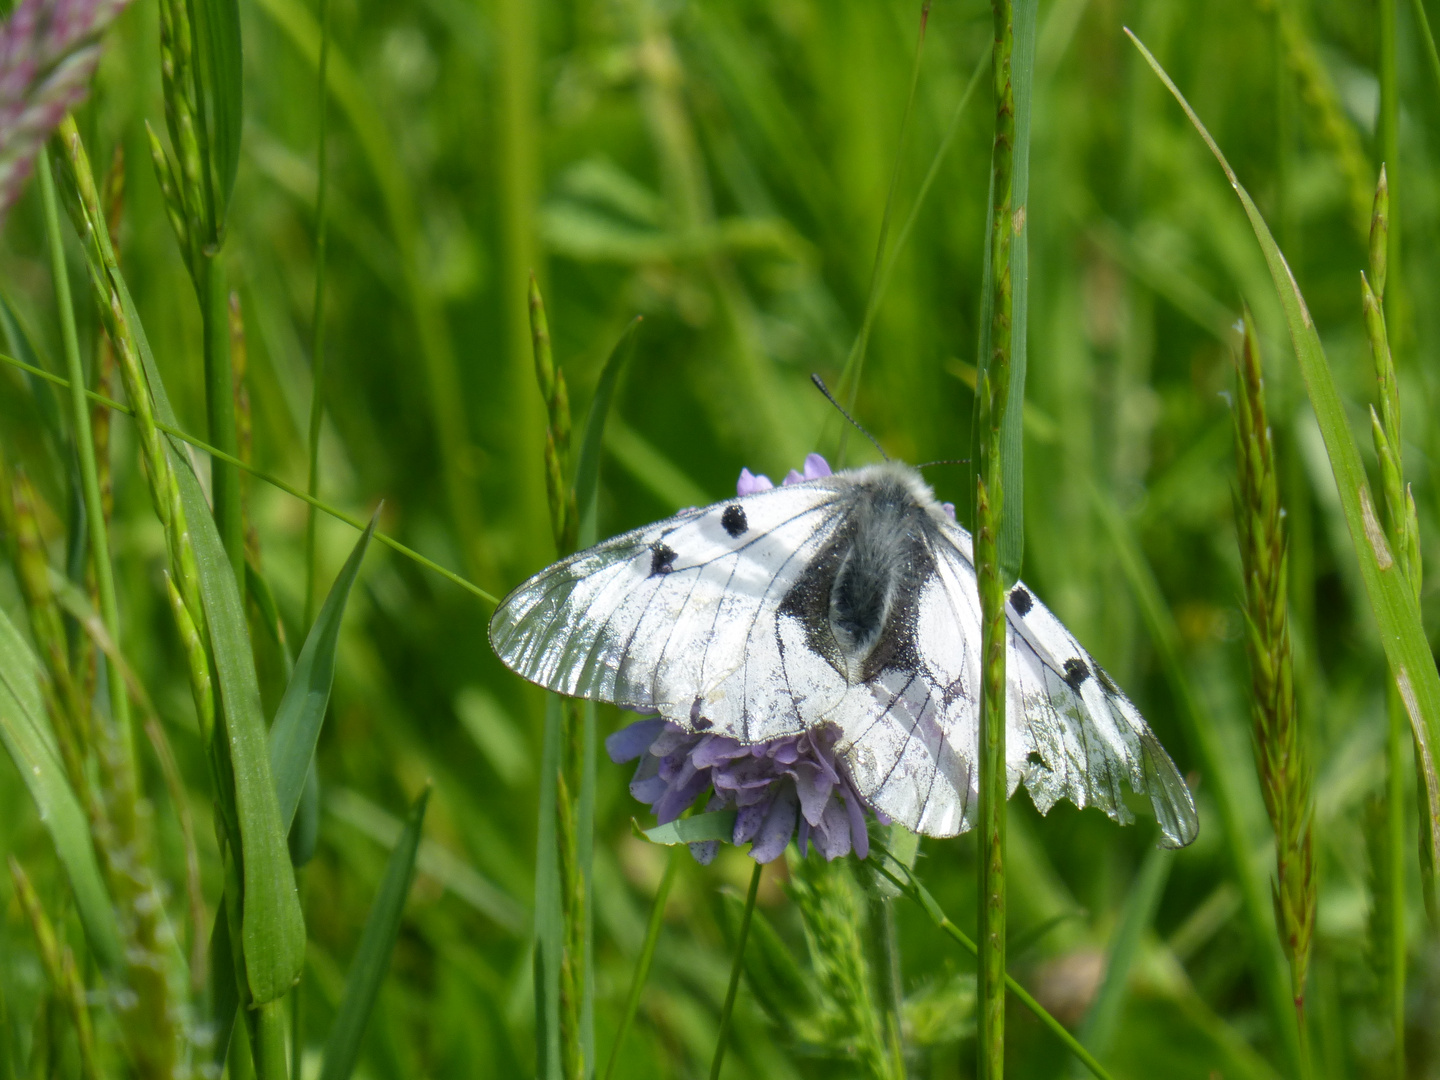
721, 167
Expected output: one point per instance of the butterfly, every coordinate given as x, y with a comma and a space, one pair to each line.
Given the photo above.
848, 602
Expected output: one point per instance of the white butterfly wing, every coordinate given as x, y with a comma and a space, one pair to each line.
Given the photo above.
911, 744
696, 618
680, 617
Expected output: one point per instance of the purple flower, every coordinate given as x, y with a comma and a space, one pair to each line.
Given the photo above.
784, 788
48, 51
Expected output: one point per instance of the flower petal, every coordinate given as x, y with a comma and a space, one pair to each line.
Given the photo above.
834, 832
750, 483
859, 835
748, 821
778, 828
633, 740
705, 851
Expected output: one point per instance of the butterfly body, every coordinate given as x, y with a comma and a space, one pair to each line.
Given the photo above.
846, 602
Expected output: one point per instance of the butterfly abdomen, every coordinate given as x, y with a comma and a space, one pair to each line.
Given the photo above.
876, 574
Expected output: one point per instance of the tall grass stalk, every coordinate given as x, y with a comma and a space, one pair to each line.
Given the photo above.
95, 517
1427, 40
994, 391
317, 319
191, 182
1403, 529
646, 957
722, 1036
1281, 747
570, 766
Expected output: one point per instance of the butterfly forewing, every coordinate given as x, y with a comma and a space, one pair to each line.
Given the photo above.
679, 612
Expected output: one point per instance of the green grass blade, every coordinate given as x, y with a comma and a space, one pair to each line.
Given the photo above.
372, 958
1391, 600
46, 404
549, 929
643, 961
736, 967
1012, 429
587, 465
302, 710
273, 928
218, 28
224, 991
1422, 23
27, 737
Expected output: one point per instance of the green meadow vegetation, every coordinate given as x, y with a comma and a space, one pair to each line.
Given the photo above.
382, 307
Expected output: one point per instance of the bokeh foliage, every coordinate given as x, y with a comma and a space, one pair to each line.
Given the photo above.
721, 167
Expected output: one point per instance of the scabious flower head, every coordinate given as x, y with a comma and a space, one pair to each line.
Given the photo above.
791, 787
48, 51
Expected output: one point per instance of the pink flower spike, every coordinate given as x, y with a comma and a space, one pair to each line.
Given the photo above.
816, 467
793, 477
749, 483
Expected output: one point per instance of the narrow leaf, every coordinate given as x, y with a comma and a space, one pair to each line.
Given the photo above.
717, 825
1391, 598
302, 710
587, 468
1012, 440
26, 735
587, 484
372, 958
223, 987
549, 929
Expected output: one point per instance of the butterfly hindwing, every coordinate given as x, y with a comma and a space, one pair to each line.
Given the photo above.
911, 744
1083, 739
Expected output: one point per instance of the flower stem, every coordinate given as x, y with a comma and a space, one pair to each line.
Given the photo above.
647, 955
989, 512
85, 450
220, 413
729, 1007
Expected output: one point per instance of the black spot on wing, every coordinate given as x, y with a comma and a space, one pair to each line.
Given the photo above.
662, 558
1020, 600
1076, 673
733, 519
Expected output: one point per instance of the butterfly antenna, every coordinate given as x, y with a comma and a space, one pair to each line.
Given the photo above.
820, 385
945, 461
